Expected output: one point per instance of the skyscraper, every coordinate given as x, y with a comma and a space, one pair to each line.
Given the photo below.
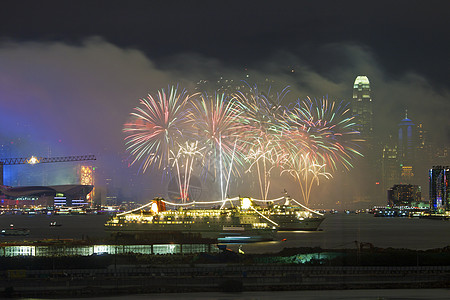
407, 136
362, 107
370, 167
389, 164
423, 142
406, 141
439, 189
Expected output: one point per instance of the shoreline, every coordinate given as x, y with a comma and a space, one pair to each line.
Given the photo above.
225, 272
225, 279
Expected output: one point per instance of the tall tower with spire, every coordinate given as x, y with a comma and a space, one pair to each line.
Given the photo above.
362, 107
370, 167
407, 148
406, 140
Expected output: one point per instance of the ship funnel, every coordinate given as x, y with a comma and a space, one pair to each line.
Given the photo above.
287, 202
158, 205
154, 208
246, 203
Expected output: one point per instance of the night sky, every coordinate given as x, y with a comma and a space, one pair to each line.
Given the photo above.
71, 71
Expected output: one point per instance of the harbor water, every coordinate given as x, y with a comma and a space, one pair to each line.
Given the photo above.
336, 232
376, 294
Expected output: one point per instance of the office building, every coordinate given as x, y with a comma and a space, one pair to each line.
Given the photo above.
407, 141
389, 164
404, 195
407, 146
362, 107
439, 189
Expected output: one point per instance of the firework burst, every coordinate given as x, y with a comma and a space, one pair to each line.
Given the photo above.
263, 133
320, 135
325, 130
215, 122
183, 163
306, 172
155, 125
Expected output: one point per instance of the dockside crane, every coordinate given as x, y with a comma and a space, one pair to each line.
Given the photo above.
40, 160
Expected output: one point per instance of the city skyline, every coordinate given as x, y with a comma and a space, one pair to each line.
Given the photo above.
68, 90
397, 163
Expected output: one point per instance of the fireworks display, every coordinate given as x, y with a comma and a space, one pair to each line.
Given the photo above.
216, 123
183, 162
262, 132
155, 126
247, 133
325, 130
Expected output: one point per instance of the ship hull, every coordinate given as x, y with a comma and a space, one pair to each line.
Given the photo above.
293, 224
219, 225
218, 233
15, 232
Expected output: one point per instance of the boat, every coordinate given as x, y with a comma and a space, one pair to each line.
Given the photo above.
435, 216
224, 225
11, 231
70, 211
54, 224
294, 218
288, 217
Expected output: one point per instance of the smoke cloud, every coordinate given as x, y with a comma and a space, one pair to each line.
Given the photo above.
63, 99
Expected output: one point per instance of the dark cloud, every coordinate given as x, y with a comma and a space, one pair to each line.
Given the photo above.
404, 35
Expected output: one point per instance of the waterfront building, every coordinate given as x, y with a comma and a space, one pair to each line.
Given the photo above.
87, 178
56, 195
53, 248
404, 195
439, 189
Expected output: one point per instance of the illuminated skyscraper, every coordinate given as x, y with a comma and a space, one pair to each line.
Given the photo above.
406, 141
423, 143
369, 168
389, 164
439, 189
362, 107
407, 146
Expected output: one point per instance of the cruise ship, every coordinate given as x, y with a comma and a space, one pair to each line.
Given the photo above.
287, 217
293, 218
225, 225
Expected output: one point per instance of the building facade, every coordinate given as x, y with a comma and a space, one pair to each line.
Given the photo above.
439, 189
407, 135
56, 195
369, 169
390, 168
404, 195
87, 178
362, 107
